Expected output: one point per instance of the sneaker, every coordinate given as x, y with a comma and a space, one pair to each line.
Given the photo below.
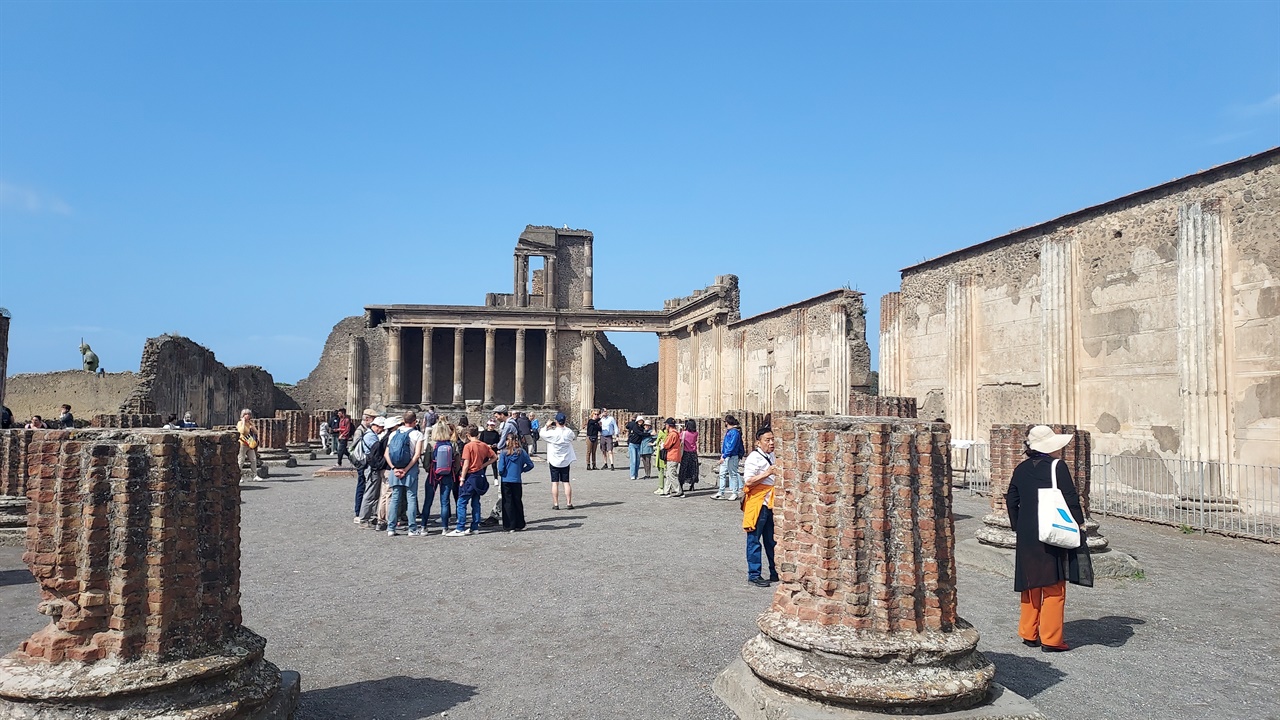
356, 519
382, 526
774, 578
417, 533
733, 496
634, 478
717, 496
568, 507
555, 507
457, 533
391, 533
658, 492
1054, 648
758, 581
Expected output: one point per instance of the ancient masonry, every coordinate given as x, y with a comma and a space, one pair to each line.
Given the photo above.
1171, 293
992, 548
865, 614
538, 346
134, 538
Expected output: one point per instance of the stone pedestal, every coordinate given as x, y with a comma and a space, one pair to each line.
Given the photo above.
135, 541
1008, 450
865, 615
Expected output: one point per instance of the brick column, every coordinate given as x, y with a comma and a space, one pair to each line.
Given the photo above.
520, 394
428, 377
134, 538
865, 614
490, 351
458, 335
13, 486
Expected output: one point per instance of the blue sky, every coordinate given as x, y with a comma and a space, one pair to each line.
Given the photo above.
247, 174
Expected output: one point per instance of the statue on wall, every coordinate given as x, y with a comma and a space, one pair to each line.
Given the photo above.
90, 357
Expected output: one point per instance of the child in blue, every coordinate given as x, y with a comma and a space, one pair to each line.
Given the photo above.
513, 463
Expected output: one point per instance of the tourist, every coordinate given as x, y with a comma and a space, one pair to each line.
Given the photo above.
6, 418
430, 419
593, 438
476, 456
524, 426
1041, 571
512, 464
346, 429
67, 422
635, 435
646, 450
460, 433
35, 423
248, 441
489, 436
608, 433
507, 428
374, 440
661, 441
443, 463
171, 423
689, 458
731, 451
326, 438
560, 456
672, 453
366, 422
757, 508
189, 422
404, 449
535, 433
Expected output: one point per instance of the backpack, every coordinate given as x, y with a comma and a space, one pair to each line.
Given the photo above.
442, 456
376, 458
401, 449
359, 454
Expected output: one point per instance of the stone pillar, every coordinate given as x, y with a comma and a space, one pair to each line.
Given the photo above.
552, 371
520, 395
13, 486
521, 285
838, 395
393, 367
865, 614
1202, 340
458, 336
428, 377
4, 350
961, 390
490, 351
1057, 320
993, 544
355, 371
588, 300
135, 541
587, 385
549, 281
891, 379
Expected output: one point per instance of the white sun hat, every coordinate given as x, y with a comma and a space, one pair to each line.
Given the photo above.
1042, 438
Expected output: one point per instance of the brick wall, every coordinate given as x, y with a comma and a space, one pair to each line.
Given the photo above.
13, 461
271, 433
134, 539
297, 426
127, 420
1008, 450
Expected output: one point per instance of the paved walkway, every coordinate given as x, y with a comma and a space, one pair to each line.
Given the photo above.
629, 605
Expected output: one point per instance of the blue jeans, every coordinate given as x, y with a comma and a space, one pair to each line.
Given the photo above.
474, 501
633, 455
406, 495
730, 478
762, 536
444, 490
359, 489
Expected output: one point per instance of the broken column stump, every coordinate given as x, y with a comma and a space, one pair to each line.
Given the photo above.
13, 486
994, 542
864, 618
134, 538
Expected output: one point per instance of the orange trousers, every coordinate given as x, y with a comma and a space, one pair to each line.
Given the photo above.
1042, 614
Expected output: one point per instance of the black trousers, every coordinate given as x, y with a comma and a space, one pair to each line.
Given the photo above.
512, 506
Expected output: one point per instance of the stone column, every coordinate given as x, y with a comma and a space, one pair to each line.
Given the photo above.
961, 391
891, 379
490, 350
143, 593
549, 281
458, 335
520, 395
393, 366
838, 394
4, 350
587, 385
1202, 340
865, 613
355, 371
519, 284
552, 371
588, 300
1057, 320
428, 376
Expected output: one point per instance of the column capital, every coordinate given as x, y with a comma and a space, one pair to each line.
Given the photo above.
589, 334
520, 332
393, 329
457, 332
489, 332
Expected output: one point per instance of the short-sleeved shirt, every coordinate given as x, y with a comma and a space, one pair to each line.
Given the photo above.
608, 426
415, 438
756, 463
475, 454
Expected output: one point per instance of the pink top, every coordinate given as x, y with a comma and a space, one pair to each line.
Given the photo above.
690, 440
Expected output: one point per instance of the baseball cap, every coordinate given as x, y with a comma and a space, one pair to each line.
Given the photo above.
560, 417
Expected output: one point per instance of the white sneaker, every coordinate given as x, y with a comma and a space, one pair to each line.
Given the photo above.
457, 533
356, 520
391, 533
417, 533
717, 496
733, 496
658, 492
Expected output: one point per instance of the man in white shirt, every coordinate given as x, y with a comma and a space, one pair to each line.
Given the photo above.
559, 456
608, 434
404, 449
757, 507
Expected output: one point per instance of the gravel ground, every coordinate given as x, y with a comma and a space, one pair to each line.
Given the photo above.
630, 604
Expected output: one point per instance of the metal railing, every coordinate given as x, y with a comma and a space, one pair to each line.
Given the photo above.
1227, 498
971, 466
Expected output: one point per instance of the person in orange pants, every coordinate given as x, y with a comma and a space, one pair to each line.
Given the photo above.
1041, 620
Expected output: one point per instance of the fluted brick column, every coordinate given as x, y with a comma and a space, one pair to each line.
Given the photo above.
865, 614
134, 538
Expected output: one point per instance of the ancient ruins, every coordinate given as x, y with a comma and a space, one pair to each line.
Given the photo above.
538, 346
134, 538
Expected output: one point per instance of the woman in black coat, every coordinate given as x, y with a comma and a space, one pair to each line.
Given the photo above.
1041, 572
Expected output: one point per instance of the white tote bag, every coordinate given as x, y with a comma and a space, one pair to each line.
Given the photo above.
1057, 527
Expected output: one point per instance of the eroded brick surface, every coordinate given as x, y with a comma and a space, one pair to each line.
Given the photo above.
882, 405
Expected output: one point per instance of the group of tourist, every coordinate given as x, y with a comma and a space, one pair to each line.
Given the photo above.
65, 420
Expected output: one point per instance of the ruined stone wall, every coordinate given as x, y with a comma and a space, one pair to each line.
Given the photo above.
806, 356
88, 394
1152, 322
327, 385
618, 385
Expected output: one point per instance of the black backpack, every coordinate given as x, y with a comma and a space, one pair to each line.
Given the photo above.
376, 459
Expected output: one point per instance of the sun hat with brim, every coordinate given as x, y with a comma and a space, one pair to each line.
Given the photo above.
370, 412
379, 421
393, 422
1042, 438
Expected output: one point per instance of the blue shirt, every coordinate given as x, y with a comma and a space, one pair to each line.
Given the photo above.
511, 467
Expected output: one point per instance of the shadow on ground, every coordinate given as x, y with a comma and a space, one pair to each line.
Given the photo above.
397, 697
1024, 675
1110, 631
16, 577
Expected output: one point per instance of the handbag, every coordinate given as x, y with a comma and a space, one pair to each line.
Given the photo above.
1057, 527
